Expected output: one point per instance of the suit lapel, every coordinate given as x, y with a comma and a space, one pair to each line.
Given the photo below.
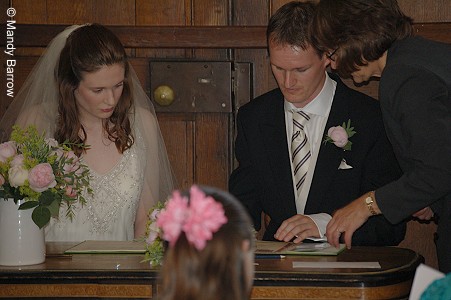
329, 156
275, 141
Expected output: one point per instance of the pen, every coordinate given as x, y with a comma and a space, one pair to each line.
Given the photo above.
269, 256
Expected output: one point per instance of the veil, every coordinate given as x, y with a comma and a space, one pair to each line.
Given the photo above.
37, 103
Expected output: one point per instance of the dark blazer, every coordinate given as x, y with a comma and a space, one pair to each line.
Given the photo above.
263, 181
415, 96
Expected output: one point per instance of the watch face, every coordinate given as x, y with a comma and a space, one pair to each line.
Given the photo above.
368, 200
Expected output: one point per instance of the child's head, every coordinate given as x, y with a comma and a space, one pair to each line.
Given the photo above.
210, 252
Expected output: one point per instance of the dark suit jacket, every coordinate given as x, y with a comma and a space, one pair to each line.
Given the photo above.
415, 95
263, 180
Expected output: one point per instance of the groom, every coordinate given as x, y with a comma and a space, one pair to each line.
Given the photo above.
264, 179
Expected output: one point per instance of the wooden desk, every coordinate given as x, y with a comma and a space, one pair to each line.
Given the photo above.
124, 276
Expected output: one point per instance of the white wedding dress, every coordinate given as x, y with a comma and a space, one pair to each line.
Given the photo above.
142, 176
110, 213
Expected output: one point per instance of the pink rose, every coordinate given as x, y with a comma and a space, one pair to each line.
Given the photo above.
71, 192
58, 152
41, 177
338, 135
71, 156
154, 215
17, 160
7, 150
72, 162
2, 180
154, 231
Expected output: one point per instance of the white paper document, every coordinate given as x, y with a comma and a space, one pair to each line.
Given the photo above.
424, 276
337, 264
116, 247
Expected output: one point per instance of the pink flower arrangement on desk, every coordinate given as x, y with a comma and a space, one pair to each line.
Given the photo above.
42, 172
154, 241
197, 216
339, 135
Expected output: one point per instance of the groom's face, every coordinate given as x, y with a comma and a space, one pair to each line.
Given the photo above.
299, 73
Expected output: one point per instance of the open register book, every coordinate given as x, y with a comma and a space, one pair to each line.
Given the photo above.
115, 247
269, 247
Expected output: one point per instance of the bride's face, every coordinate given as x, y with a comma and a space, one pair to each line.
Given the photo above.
99, 92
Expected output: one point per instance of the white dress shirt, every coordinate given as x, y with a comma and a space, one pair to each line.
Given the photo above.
318, 109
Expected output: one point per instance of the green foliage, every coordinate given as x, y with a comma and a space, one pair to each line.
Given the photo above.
154, 252
154, 248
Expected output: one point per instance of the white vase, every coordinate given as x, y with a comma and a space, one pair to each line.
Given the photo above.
21, 240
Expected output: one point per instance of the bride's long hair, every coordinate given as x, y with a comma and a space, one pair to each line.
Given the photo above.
87, 49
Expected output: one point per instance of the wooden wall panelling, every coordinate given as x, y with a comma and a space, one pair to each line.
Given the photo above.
4, 5
190, 151
254, 13
211, 141
178, 130
263, 79
163, 13
211, 13
141, 67
21, 71
114, 12
177, 37
208, 103
212, 149
70, 11
250, 13
107, 12
423, 11
30, 11
420, 238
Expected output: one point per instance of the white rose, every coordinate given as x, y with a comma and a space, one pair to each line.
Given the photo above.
51, 142
17, 176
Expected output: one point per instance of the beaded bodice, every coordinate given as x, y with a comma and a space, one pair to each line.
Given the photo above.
110, 213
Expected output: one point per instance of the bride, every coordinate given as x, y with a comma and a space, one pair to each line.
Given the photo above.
84, 90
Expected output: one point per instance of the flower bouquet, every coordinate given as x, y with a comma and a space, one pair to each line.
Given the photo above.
154, 241
43, 173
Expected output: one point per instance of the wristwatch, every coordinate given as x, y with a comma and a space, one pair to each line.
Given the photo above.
369, 200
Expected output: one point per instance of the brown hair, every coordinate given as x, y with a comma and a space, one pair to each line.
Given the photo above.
87, 49
218, 271
289, 25
361, 30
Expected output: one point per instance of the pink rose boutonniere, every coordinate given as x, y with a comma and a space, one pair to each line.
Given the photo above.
339, 135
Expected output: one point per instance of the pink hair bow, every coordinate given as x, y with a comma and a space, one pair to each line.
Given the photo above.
199, 219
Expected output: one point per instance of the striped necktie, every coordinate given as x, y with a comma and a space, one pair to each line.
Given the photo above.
300, 148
